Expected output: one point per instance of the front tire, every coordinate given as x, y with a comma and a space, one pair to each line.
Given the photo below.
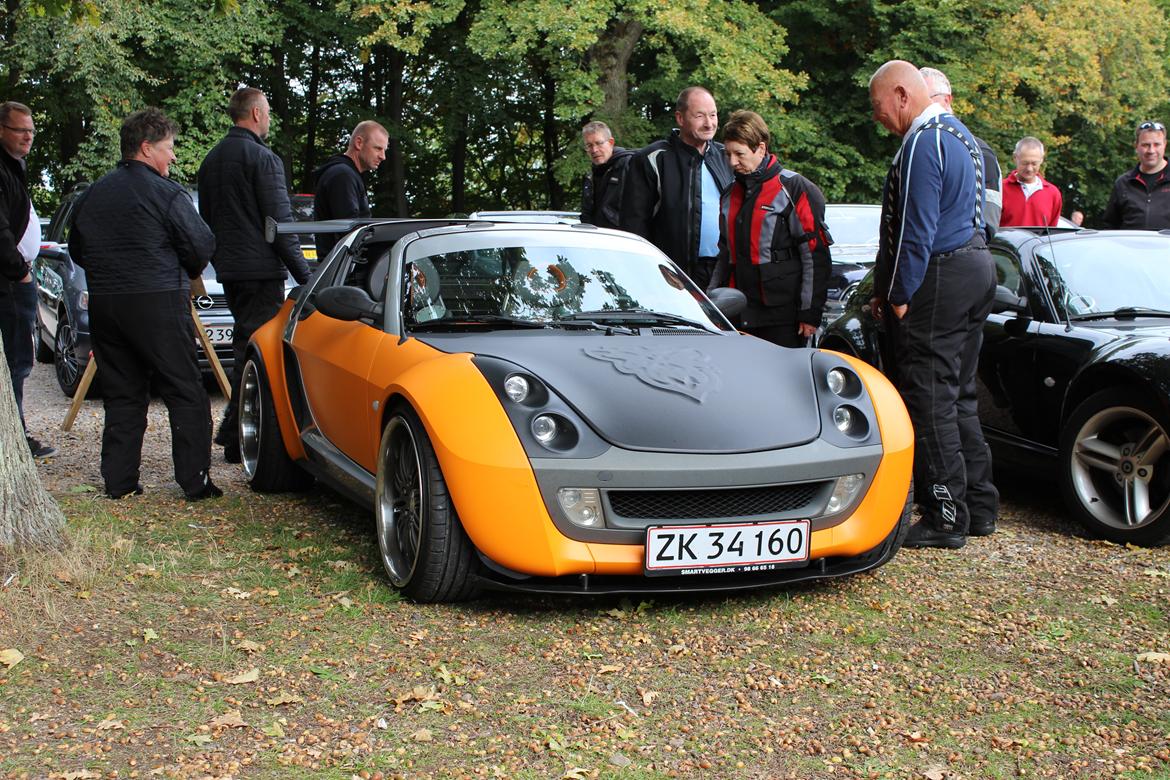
1115, 467
425, 551
66, 365
266, 463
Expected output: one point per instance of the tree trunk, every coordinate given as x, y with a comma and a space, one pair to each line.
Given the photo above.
394, 86
611, 56
309, 155
459, 167
556, 195
28, 514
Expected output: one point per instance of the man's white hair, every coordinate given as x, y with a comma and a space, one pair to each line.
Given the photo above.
1028, 142
936, 80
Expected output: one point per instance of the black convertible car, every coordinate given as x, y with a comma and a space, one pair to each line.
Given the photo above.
1074, 371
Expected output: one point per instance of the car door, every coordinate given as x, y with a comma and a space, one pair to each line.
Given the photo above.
334, 358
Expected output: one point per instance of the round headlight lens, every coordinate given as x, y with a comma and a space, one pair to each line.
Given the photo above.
843, 418
544, 428
516, 388
837, 381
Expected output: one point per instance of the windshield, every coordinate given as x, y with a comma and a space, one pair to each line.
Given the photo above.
853, 224
1107, 272
546, 278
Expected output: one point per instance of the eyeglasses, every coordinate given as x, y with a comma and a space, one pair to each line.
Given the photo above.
1151, 126
936, 94
29, 131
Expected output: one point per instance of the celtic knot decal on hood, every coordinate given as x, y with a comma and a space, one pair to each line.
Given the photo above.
684, 371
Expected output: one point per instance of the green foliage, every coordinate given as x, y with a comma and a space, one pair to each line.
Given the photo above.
484, 98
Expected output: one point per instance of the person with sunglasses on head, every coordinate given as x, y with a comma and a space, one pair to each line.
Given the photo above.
1141, 196
20, 238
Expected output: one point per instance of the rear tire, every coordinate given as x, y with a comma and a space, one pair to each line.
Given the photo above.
425, 551
1115, 467
266, 462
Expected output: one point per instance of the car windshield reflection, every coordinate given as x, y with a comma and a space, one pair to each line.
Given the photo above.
551, 283
1107, 273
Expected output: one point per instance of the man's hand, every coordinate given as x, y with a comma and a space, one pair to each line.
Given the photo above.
805, 330
877, 307
899, 310
27, 278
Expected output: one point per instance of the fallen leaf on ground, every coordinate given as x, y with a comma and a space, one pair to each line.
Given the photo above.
422, 735
608, 668
248, 646
237, 593
230, 719
252, 675
1155, 658
149, 634
198, 739
11, 657
273, 730
284, 697
84, 774
110, 723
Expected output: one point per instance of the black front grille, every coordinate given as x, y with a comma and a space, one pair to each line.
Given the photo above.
681, 332
718, 503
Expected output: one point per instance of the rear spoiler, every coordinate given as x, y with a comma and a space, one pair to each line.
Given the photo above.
272, 228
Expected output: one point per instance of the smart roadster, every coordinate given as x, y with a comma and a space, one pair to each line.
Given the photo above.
558, 408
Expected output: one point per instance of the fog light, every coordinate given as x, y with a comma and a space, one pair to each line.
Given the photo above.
83, 300
544, 428
843, 418
581, 505
516, 388
837, 381
845, 493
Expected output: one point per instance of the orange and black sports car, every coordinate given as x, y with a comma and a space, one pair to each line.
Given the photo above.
558, 408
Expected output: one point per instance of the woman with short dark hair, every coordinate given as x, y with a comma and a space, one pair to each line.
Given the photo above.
773, 244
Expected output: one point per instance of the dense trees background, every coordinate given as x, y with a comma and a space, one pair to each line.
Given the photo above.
484, 98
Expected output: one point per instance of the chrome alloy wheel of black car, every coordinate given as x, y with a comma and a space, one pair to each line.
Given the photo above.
65, 363
1119, 469
400, 499
251, 418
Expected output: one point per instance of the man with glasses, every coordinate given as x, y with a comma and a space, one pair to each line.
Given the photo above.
20, 238
601, 194
1141, 197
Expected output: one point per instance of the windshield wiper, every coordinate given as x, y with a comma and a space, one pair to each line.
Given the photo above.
635, 316
1124, 313
499, 320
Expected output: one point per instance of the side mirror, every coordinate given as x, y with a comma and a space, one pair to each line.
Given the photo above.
348, 303
1006, 300
728, 300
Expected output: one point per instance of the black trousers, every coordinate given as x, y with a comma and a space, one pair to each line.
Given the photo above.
937, 350
138, 337
252, 304
785, 335
18, 313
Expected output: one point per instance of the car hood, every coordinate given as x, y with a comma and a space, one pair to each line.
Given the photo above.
672, 392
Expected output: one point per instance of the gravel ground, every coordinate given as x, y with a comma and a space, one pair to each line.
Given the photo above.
78, 458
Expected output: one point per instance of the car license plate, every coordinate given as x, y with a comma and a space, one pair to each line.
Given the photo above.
729, 547
219, 334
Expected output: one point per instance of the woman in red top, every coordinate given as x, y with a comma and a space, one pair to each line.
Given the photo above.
773, 244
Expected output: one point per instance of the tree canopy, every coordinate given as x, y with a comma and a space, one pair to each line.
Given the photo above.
484, 99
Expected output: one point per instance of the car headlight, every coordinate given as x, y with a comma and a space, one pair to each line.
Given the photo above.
845, 493
581, 505
843, 418
544, 428
848, 416
517, 388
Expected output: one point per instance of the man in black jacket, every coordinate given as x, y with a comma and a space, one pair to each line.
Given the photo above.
601, 192
673, 188
138, 237
1141, 196
341, 190
241, 182
20, 236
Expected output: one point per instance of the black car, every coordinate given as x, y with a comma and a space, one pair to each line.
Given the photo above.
1074, 372
854, 228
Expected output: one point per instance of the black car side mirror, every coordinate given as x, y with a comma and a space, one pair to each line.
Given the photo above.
1006, 300
348, 303
728, 300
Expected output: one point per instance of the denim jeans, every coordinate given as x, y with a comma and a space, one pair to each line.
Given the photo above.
18, 312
